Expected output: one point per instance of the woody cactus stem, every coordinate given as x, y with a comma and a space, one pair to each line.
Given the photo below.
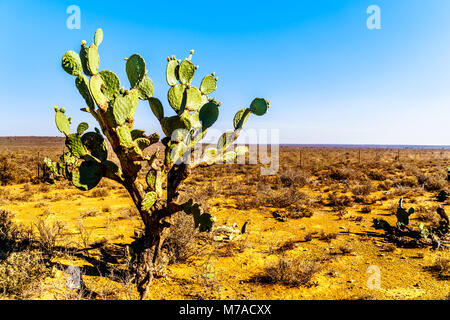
113, 107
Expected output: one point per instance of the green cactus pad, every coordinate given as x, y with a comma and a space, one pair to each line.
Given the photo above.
98, 37
240, 118
75, 145
208, 85
151, 179
170, 124
172, 71
143, 143
209, 114
176, 97
124, 134
193, 99
90, 59
96, 145
111, 84
259, 106
87, 176
145, 87
195, 121
96, 84
156, 107
110, 168
82, 127
71, 63
82, 84
137, 133
186, 72
149, 200
124, 107
135, 69
62, 122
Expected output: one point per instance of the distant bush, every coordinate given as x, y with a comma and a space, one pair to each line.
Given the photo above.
19, 271
292, 271
6, 171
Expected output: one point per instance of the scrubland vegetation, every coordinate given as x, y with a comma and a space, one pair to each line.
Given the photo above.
309, 230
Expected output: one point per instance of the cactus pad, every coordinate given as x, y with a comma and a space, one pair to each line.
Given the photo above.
111, 84
193, 99
75, 145
135, 69
98, 37
151, 179
149, 200
124, 107
156, 107
208, 85
96, 84
71, 63
240, 118
209, 114
82, 127
90, 59
62, 123
87, 176
96, 145
124, 134
176, 97
186, 72
259, 106
172, 71
145, 87
82, 84
143, 143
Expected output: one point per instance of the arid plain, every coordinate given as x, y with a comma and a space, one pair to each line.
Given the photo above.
308, 232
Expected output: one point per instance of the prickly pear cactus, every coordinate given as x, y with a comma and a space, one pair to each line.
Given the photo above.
403, 215
192, 111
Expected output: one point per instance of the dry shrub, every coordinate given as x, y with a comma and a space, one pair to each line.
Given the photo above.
377, 175
346, 248
366, 209
441, 267
363, 189
339, 201
434, 183
299, 211
324, 236
292, 271
341, 174
6, 171
385, 185
100, 193
409, 182
291, 178
19, 271
180, 243
49, 234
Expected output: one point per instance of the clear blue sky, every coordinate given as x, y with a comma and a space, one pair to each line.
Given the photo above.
329, 78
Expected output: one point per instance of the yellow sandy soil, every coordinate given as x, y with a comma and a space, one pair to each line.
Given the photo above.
402, 271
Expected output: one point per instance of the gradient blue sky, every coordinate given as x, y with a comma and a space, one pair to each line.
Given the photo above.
329, 78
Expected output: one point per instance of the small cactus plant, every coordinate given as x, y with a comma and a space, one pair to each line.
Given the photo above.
193, 111
402, 214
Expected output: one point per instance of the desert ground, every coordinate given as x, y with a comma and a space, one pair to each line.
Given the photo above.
309, 231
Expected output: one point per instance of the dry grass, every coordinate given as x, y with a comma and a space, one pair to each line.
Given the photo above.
292, 271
